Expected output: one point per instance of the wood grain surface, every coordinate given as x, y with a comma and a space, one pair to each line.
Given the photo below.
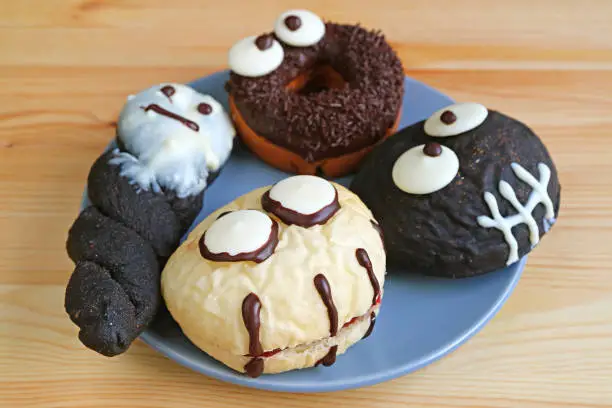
66, 67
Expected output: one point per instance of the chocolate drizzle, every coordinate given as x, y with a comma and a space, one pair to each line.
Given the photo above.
322, 285
168, 90
364, 260
254, 368
251, 306
158, 109
291, 217
372, 321
330, 358
258, 256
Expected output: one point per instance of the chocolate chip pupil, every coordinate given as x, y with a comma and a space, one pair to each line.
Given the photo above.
204, 108
448, 117
432, 149
293, 22
264, 41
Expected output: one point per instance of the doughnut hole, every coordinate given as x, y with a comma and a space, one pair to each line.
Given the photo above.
319, 78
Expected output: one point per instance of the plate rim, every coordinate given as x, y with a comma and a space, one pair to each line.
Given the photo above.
376, 377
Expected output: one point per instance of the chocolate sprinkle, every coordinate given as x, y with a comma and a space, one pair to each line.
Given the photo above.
331, 122
448, 118
264, 41
293, 22
432, 149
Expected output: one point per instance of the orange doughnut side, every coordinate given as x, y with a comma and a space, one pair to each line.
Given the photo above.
289, 161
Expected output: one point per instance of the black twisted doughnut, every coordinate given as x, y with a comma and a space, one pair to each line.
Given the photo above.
119, 245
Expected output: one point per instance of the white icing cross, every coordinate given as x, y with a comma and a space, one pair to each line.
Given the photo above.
538, 195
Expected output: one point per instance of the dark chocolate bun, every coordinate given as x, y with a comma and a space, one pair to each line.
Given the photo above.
119, 245
452, 232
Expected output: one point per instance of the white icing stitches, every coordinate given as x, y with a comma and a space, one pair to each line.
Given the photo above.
455, 119
255, 56
175, 136
415, 172
239, 232
299, 28
303, 194
524, 215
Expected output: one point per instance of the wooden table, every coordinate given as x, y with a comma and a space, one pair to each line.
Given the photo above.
66, 67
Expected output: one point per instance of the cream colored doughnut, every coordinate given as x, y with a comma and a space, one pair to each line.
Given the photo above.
206, 297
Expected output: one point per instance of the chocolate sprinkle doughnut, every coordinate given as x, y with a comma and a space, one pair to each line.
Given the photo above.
119, 245
318, 124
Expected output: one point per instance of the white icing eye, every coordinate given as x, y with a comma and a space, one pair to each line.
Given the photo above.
302, 200
256, 56
456, 119
425, 168
303, 194
299, 28
239, 232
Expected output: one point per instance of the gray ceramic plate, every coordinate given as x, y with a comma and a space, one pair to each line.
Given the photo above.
421, 320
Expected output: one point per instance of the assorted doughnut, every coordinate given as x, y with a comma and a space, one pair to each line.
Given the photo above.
289, 276
269, 288
171, 142
465, 192
314, 97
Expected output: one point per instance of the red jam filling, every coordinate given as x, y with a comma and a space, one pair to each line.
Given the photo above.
266, 353
270, 353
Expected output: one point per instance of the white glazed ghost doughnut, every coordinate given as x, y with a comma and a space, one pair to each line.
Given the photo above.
315, 294
255, 56
299, 28
456, 119
424, 169
175, 137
